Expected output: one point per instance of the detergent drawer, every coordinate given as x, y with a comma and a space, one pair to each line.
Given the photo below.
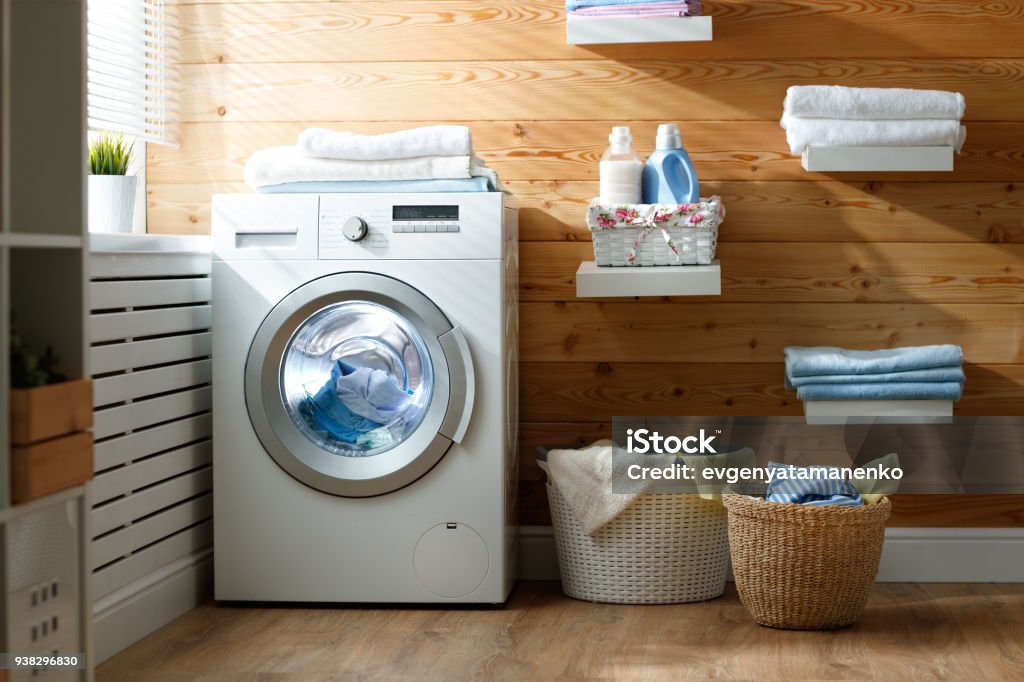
265, 226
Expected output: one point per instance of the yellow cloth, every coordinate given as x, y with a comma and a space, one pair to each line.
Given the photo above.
873, 490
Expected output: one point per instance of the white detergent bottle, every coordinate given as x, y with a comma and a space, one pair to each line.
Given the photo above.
621, 170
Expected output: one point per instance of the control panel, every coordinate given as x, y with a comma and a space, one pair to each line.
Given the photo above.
444, 226
410, 226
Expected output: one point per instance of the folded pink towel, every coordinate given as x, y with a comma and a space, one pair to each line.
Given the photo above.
686, 8
625, 15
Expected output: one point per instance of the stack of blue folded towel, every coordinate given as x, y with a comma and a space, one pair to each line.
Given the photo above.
913, 373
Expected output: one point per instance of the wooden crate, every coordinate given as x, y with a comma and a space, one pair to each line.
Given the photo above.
46, 467
45, 412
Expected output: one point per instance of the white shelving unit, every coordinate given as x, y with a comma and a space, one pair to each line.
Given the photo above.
611, 30
884, 159
45, 603
40, 241
872, 411
593, 281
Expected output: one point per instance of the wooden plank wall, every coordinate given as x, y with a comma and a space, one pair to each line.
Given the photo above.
864, 260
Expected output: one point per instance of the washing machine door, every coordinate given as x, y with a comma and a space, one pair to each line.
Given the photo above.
357, 384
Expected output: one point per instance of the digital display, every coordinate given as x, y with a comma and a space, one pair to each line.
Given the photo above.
425, 213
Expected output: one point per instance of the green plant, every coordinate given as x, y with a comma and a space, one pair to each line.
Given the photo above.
110, 154
29, 369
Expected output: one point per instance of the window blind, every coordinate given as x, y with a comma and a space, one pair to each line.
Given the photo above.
132, 79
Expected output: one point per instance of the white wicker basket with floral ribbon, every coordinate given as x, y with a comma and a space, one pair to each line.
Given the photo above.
655, 234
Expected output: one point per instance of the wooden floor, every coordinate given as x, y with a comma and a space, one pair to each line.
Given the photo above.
910, 631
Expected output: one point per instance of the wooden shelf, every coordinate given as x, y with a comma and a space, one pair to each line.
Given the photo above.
852, 159
611, 30
878, 411
593, 281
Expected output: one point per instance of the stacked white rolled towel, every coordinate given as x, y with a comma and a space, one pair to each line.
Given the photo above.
836, 116
431, 158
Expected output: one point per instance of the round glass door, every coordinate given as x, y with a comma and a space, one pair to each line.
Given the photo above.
357, 379
353, 384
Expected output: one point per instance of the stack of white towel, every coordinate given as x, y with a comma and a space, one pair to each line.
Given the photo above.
835, 116
429, 159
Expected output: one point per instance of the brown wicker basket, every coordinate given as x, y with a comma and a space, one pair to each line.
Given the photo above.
801, 567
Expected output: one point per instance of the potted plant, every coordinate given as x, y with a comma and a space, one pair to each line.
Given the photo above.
50, 414
111, 189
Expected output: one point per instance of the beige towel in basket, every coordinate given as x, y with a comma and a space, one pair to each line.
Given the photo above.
584, 477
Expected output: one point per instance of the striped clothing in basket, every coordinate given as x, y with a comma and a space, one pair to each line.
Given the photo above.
814, 485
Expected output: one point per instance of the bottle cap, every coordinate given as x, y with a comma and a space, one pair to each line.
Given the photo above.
669, 137
620, 135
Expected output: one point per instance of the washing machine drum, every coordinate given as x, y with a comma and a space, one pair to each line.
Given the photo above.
357, 384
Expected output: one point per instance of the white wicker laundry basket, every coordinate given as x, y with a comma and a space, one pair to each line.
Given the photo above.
655, 234
663, 549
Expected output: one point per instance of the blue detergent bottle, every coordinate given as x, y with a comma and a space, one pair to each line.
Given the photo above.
669, 177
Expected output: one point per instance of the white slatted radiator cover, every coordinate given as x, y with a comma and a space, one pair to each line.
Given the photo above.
150, 361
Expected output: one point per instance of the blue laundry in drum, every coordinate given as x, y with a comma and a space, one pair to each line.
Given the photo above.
327, 412
372, 393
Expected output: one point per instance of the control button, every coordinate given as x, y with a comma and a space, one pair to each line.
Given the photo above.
420, 228
453, 228
355, 229
430, 227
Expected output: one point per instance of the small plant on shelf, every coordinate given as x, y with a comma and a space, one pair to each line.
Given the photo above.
111, 189
110, 154
51, 447
29, 369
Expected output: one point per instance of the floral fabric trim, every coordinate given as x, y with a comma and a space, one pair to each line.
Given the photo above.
646, 218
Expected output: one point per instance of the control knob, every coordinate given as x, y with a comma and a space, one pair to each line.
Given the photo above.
355, 229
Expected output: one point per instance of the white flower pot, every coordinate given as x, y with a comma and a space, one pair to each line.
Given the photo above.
112, 202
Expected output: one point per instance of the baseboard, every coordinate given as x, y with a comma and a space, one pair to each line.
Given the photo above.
129, 614
921, 555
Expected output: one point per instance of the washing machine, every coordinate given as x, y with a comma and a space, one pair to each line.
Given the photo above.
364, 397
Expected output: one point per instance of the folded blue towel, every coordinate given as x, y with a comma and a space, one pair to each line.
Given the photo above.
935, 390
912, 377
815, 361
814, 485
475, 184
